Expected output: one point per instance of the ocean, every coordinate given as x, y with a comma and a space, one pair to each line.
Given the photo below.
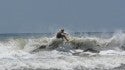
42, 51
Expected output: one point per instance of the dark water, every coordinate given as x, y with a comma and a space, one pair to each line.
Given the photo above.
37, 35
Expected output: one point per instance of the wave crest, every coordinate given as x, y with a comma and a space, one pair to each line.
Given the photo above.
117, 41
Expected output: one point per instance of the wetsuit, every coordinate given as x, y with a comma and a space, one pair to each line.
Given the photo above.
59, 35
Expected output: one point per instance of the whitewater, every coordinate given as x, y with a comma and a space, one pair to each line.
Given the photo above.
30, 51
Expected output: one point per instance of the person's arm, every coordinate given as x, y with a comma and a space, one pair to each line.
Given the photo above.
64, 34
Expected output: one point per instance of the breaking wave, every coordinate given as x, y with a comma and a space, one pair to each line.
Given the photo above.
116, 42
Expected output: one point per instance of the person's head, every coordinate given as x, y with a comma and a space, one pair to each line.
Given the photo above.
62, 30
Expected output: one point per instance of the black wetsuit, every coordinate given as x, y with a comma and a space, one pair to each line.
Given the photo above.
59, 35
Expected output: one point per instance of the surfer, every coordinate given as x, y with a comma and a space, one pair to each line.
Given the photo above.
62, 34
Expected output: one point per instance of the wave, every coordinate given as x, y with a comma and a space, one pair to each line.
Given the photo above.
116, 42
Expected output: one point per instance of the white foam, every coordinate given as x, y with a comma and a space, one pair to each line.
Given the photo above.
60, 60
112, 52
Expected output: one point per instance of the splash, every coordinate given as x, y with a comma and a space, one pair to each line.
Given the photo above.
116, 42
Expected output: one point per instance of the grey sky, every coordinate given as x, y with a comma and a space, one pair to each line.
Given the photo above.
17, 16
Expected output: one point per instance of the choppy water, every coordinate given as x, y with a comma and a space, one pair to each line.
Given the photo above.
44, 51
